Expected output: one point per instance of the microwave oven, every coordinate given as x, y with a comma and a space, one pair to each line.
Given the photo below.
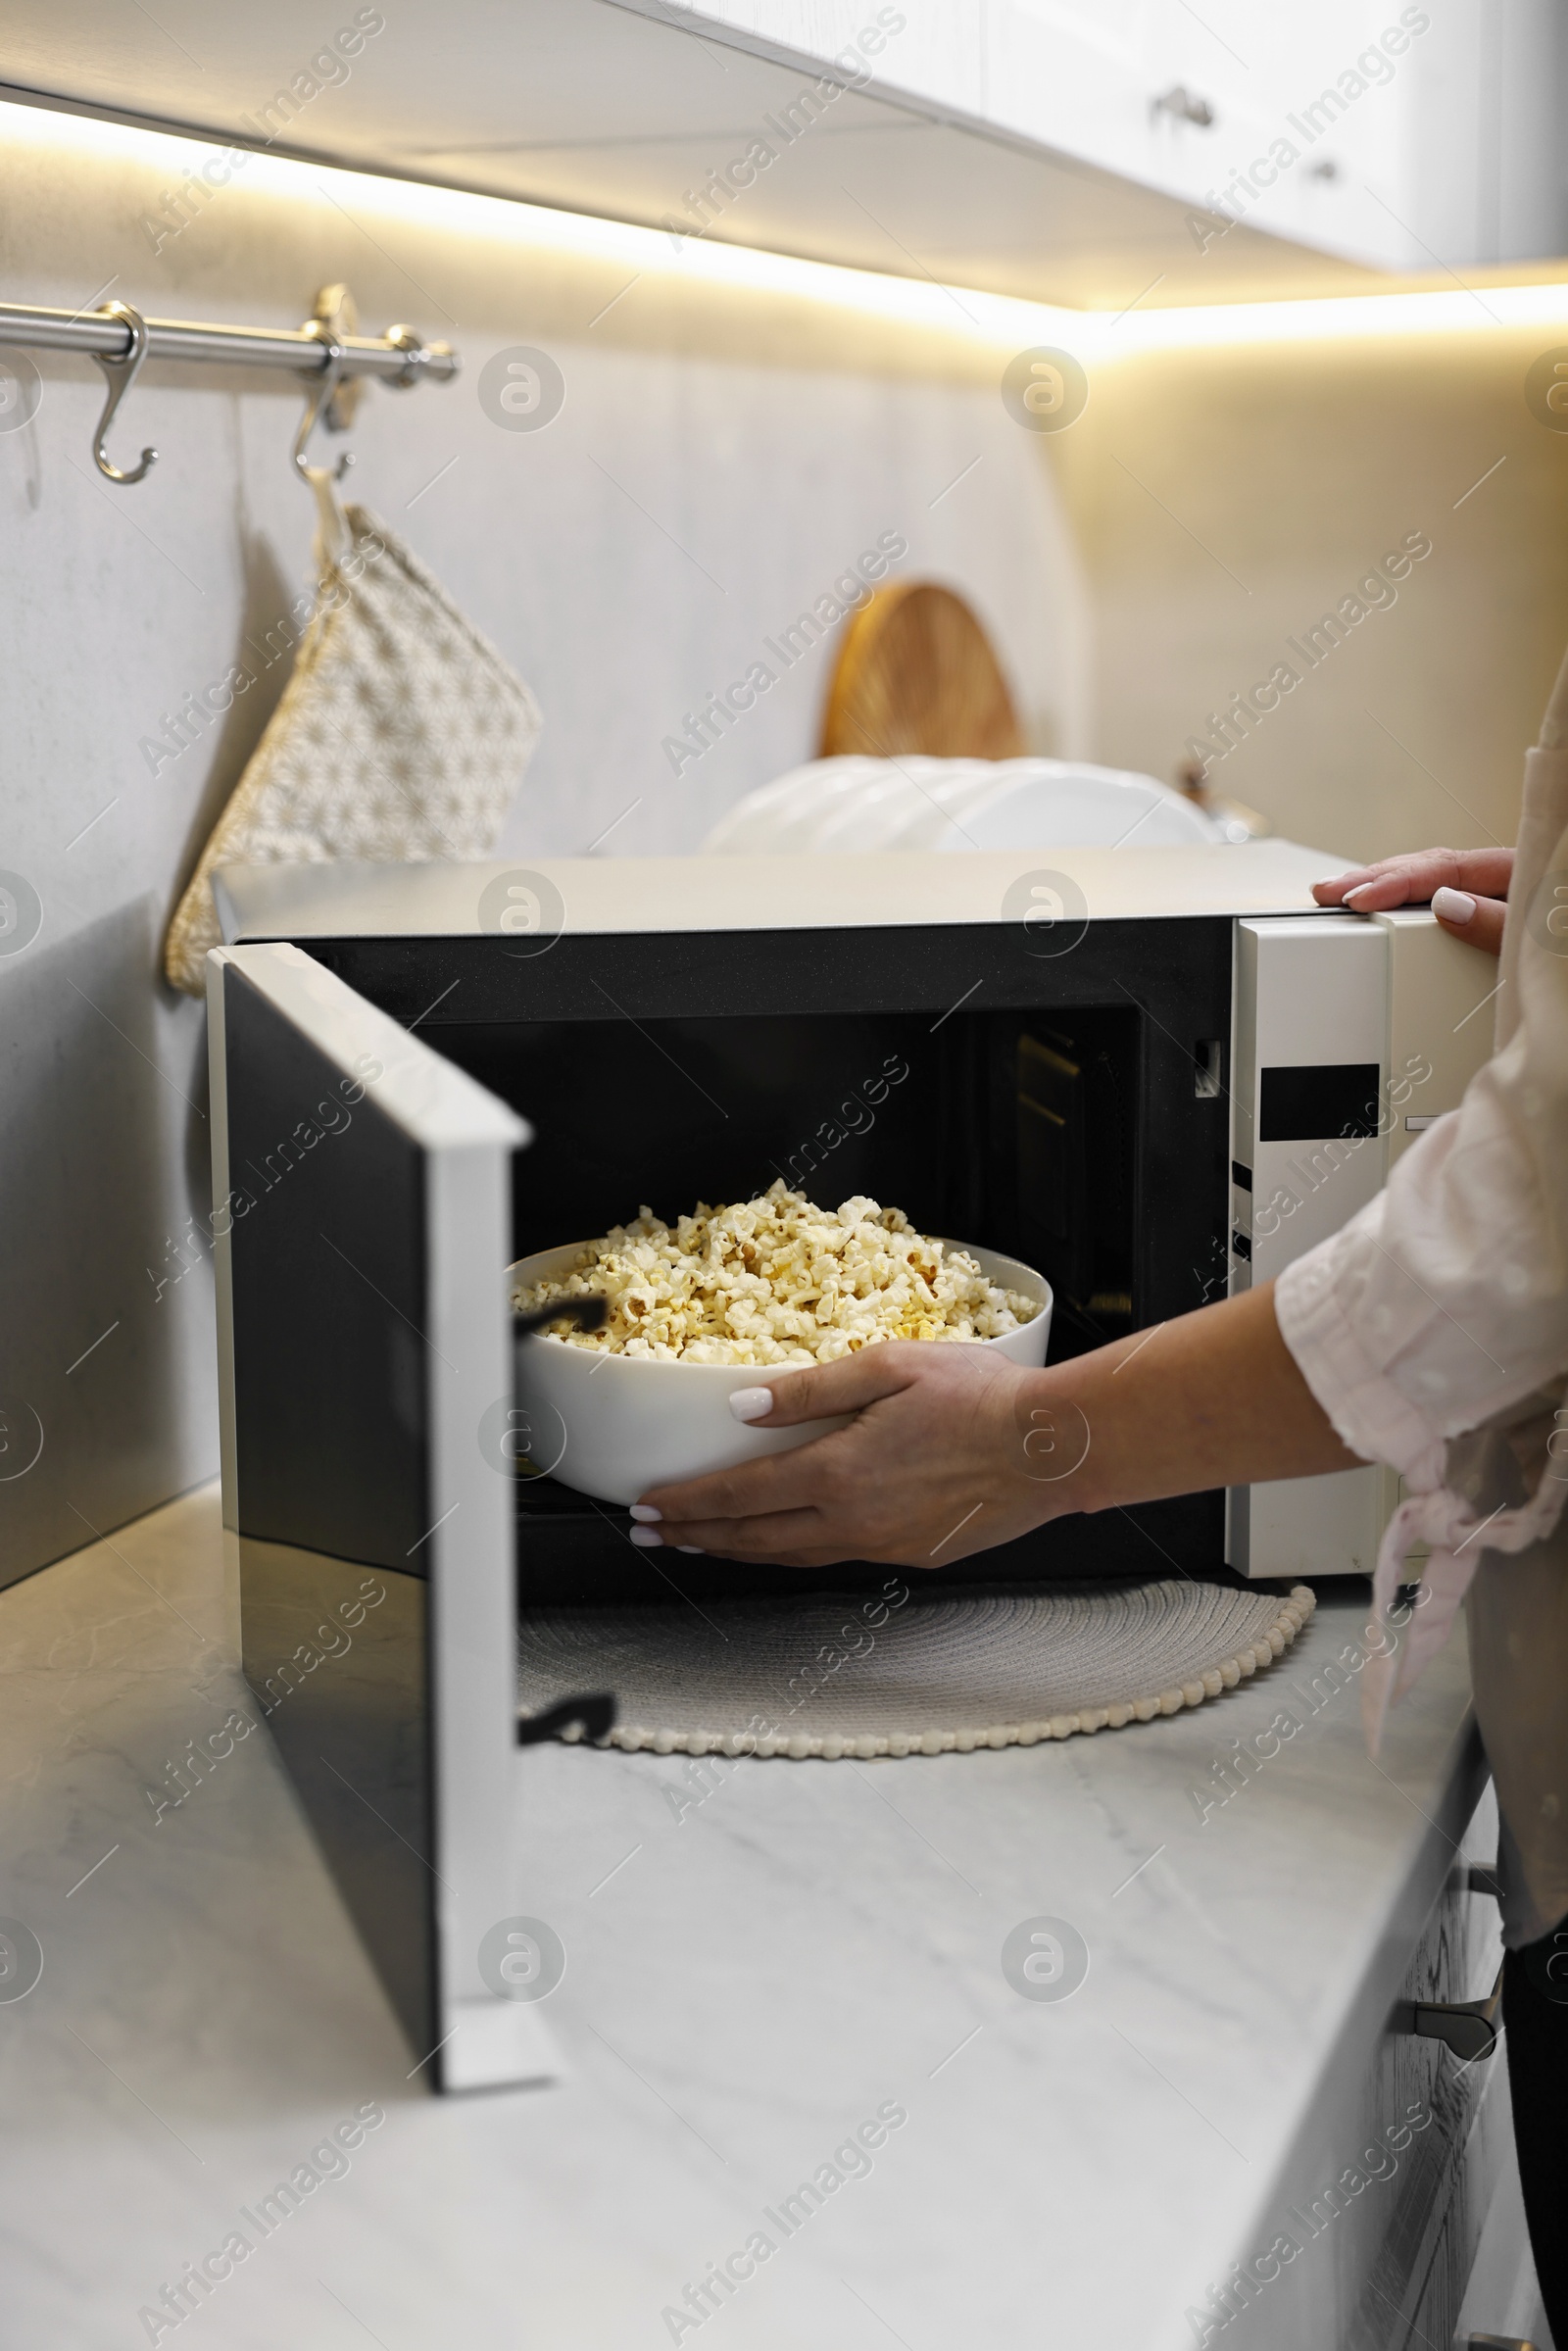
1157, 1075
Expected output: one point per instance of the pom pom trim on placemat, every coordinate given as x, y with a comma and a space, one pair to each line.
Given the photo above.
1199, 1683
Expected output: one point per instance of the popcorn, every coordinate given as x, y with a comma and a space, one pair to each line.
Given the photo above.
777, 1281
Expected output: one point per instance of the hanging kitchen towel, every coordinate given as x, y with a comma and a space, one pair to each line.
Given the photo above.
401, 736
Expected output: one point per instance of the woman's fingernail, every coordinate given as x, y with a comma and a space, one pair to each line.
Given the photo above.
646, 1512
690, 1546
751, 1404
646, 1539
1361, 891
1453, 905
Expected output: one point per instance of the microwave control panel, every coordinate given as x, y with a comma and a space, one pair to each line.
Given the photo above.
1351, 1035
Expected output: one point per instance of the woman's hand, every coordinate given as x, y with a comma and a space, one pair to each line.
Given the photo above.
951, 1451
1467, 890
931, 1468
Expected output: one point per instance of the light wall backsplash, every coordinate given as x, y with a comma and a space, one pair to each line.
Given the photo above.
722, 458
1228, 499
723, 455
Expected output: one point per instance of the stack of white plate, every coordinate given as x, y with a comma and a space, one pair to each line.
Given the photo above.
918, 803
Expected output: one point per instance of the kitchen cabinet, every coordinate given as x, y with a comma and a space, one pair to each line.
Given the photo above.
1090, 155
1398, 136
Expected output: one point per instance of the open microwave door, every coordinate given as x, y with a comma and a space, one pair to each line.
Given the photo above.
362, 1189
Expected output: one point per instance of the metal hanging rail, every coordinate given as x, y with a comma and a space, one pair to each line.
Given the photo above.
399, 357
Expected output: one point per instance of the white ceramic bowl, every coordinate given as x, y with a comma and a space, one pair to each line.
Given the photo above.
777, 815
1053, 803
830, 806
1083, 809
898, 795
614, 1425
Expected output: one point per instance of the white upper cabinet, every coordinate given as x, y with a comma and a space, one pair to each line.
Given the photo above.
1088, 152
1395, 136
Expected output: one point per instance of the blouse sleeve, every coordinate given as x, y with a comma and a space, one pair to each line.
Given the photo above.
1445, 1299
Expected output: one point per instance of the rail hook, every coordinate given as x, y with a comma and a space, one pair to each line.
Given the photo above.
119, 375
316, 401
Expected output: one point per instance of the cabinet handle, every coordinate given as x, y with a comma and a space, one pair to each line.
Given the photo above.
1183, 106
1469, 2026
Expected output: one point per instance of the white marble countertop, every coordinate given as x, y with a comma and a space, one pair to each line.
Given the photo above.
746, 1985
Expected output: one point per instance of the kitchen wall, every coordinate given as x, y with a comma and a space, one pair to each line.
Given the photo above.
727, 446
720, 456
1229, 495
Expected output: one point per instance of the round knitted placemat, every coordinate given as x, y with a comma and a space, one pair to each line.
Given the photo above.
994, 1668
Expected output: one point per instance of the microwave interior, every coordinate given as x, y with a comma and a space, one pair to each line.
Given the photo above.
1068, 1124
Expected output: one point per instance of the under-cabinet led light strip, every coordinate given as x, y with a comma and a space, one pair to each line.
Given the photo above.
1002, 320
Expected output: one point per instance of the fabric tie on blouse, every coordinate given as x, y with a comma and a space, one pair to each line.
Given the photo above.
1450, 1526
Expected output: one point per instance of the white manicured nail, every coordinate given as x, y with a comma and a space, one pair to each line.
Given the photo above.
646, 1539
1361, 891
751, 1404
646, 1514
690, 1546
1454, 905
